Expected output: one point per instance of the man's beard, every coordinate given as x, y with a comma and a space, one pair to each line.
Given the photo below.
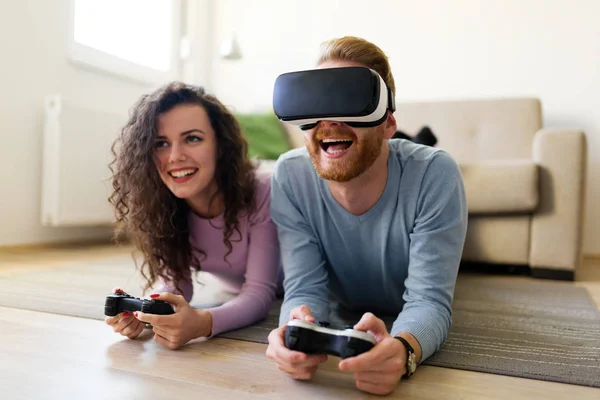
364, 153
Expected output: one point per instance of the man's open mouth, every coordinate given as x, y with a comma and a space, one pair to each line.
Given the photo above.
335, 146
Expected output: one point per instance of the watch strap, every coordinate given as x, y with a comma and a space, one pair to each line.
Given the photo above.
410, 357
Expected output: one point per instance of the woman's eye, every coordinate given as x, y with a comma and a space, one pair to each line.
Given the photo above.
193, 138
160, 143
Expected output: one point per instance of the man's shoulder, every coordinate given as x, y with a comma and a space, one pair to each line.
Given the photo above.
299, 154
295, 162
416, 156
406, 150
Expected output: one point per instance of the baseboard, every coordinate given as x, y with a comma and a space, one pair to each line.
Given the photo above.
511, 269
554, 274
494, 269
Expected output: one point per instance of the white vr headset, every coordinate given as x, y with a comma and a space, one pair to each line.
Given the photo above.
357, 96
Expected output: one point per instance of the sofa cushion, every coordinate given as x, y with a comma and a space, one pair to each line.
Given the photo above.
496, 187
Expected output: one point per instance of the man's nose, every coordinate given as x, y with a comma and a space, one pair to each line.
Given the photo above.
330, 124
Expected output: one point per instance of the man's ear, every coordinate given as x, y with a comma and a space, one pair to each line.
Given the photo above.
390, 125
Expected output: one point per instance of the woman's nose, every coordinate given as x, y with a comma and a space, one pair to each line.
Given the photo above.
177, 154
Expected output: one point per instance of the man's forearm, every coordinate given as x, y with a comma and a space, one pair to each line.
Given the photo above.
303, 262
428, 324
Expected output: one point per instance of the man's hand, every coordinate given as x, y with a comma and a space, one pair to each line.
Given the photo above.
296, 364
378, 370
175, 330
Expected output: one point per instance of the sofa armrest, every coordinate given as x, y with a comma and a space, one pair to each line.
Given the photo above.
556, 229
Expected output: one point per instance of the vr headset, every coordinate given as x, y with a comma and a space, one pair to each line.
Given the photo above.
357, 96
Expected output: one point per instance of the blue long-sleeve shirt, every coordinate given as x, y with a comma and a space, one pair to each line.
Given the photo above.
400, 257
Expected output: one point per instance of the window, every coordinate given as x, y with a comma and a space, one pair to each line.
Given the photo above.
138, 39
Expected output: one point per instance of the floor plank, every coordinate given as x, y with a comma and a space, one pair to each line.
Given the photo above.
41, 353
68, 357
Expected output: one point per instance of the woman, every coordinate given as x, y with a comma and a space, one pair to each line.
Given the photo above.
189, 198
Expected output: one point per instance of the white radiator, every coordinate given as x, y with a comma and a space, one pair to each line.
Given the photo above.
75, 173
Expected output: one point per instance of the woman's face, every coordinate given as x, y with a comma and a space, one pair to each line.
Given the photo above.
186, 153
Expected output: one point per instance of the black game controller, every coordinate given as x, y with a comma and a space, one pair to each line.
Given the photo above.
310, 338
118, 303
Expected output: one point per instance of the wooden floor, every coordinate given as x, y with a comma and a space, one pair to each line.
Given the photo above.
48, 356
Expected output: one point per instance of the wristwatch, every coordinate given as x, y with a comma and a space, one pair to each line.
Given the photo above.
411, 358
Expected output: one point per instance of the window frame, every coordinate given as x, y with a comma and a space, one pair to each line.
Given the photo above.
90, 58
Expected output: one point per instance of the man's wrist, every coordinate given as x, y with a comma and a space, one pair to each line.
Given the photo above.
414, 343
412, 352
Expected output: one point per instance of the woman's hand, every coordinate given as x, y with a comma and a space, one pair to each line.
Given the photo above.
124, 323
175, 330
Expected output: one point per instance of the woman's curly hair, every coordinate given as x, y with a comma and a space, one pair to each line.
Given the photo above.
147, 212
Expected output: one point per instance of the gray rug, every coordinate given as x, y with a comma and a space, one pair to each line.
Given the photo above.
531, 329
509, 326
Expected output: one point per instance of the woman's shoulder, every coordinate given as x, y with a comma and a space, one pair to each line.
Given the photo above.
263, 184
262, 192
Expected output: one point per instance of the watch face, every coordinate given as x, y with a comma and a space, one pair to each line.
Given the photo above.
412, 363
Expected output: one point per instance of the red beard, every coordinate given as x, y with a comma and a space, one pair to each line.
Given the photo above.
361, 155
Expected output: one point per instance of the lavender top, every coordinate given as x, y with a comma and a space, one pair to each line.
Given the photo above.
252, 269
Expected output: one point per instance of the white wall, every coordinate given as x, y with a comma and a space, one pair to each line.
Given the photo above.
438, 49
33, 40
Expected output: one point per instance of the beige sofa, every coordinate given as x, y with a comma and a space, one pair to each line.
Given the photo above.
525, 184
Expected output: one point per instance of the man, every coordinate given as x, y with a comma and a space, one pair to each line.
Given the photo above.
378, 224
